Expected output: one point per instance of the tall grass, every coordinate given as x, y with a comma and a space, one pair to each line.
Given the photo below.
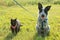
28, 30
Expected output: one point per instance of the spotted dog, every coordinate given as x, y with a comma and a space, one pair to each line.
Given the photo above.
42, 24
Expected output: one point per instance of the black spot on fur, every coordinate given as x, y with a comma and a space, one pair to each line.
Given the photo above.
47, 9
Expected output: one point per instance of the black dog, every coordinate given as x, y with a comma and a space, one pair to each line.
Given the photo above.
15, 25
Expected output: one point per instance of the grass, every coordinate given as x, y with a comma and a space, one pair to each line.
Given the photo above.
29, 22
28, 2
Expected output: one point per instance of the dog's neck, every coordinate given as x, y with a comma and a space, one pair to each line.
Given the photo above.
40, 20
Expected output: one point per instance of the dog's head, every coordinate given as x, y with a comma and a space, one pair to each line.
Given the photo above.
13, 22
43, 12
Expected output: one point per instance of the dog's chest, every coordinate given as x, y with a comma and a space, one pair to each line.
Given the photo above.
44, 23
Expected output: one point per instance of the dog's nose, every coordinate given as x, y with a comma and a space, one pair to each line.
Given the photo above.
42, 15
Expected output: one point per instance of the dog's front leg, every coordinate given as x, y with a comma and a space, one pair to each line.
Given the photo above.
38, 29
16, 30
12, 30
48, 30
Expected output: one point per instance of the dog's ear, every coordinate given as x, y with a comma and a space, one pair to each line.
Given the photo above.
47, 8
15, 19
40, 6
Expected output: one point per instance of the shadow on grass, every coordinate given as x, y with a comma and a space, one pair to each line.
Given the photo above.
10, 36
37, 37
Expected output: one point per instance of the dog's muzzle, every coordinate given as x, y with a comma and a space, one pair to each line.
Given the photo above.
13, 27
42, 16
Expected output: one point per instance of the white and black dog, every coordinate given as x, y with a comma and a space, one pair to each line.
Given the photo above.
42, 24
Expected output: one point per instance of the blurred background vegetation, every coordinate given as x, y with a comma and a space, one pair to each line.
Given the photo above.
9, 9
28, 2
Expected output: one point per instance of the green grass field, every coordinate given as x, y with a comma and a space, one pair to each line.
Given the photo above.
29, 22
28, 30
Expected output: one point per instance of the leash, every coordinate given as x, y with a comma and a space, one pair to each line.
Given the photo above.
20, 5
23, 7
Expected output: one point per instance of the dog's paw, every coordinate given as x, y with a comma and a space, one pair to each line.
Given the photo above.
48, 33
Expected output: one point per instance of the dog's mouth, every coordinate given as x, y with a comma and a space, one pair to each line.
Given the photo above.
13, 27
42, 16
